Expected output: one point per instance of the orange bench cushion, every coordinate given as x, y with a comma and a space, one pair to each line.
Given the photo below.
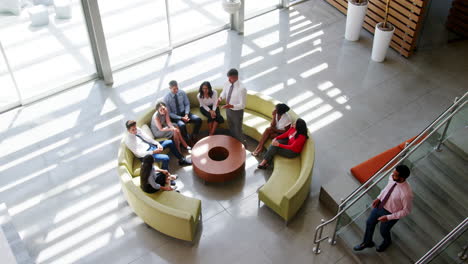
365, 170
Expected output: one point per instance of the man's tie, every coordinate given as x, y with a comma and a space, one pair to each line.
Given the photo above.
385, 199
177, 105
228, 99
144, 140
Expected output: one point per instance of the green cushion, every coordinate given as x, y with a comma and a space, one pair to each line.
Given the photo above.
284, 176
254, 124
136, 168
260, 103
125, 156
146, 117
173, 200
146, 129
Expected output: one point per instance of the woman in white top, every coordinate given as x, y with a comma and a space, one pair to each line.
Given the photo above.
208, 99
279, 124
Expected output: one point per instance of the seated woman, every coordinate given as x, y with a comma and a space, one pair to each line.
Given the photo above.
280, 123
153, 179
208, 99
288, 144
161, 126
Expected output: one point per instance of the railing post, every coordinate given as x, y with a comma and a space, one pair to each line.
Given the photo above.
463, 255
332, 240
316, 249
437, 148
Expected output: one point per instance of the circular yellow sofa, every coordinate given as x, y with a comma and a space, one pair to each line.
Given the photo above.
178, 216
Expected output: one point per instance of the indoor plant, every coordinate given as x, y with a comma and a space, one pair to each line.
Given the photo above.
382, 37
354, 19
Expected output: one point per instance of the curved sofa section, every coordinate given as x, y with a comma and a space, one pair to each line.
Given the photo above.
170, 213
289, 185
178, 216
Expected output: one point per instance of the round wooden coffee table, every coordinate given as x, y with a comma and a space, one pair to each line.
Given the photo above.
218, 158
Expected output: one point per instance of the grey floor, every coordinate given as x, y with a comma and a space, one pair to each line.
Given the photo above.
58, 156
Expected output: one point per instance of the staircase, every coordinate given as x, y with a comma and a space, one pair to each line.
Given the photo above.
439, 179
439, 183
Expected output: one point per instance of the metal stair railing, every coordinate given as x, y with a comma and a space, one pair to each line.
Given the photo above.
357, 194
444, 243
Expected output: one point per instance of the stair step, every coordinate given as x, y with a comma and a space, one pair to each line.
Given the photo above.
451, 164
458, 146
439, 205
439, 181
353, 235
406, 235
430, 175
423, 213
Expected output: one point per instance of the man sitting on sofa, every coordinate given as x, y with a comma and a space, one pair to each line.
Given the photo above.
141, 145
179, 110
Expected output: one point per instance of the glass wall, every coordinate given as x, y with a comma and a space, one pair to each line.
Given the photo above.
133, 29
190, 18
45, 58
252, 7
8, 95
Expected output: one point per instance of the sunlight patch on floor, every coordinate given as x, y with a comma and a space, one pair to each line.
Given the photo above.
18, 208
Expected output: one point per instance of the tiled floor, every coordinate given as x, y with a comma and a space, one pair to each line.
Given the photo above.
58, 164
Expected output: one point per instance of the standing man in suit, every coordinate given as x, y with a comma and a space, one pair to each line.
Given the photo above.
179, 110
394, 202
235, 94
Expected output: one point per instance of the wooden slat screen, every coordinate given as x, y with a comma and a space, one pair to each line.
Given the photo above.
458, 18
405, 15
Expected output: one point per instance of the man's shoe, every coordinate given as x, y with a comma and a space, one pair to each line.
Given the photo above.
184, 162
363, 246
382, 247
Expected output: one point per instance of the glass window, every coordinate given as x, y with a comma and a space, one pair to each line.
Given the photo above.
47, 57
133, 29
254, 6
190, 18
8, 95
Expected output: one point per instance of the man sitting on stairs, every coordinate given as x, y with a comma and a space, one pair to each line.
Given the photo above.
394, 202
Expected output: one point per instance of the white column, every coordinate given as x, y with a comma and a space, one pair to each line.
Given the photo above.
97, 39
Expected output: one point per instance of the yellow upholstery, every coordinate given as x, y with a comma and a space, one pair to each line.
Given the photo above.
168, 212
177, 215
289, 184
